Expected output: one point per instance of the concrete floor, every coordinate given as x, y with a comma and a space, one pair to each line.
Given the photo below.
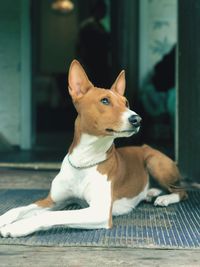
91, 257
24, 256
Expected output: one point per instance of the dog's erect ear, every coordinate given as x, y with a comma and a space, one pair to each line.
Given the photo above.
79, 83
120, 84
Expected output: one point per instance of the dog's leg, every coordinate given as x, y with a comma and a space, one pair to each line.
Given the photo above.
163, 200
58, 191
166, 200
19, 213
88, 218
97, 215
152, 193
166, 173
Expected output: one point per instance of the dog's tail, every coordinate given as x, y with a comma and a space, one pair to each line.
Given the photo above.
164, 171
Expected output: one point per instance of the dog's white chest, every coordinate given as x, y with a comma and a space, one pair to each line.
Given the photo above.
88, 184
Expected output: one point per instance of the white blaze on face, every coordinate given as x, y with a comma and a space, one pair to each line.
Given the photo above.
126, 125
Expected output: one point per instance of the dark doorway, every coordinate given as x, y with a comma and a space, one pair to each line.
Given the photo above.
54, 44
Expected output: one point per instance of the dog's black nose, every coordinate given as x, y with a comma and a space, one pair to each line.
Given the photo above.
135, 120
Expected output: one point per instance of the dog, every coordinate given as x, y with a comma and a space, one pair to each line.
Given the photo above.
112, 181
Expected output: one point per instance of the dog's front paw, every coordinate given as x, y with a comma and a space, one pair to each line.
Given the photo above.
13, 230
2, 222
5, 220
9, 217
5, 231
18, 229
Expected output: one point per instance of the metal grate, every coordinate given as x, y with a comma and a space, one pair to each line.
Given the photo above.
173, 227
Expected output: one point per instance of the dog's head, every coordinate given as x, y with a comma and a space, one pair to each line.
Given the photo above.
102, 111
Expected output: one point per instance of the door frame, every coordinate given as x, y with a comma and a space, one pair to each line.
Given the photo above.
26, 70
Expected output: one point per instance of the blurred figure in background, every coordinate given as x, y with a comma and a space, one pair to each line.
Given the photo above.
93, 46
164, 81
158, 98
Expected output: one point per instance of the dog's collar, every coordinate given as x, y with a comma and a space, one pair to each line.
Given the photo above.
87, 166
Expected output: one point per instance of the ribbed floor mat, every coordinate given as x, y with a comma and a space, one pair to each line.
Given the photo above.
173, 227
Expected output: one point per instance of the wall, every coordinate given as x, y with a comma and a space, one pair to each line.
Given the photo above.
10, 71
158, 32
188, 78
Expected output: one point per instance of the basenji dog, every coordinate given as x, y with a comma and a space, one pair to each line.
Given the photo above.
112, 181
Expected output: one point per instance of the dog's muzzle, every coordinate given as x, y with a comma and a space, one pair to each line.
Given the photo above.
135, 120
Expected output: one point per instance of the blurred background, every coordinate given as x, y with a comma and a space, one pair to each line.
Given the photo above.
39, 39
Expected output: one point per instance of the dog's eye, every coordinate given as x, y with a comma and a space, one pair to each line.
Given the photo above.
105, 101
127, 104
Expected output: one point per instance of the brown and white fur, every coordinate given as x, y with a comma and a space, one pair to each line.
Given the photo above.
112, 181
